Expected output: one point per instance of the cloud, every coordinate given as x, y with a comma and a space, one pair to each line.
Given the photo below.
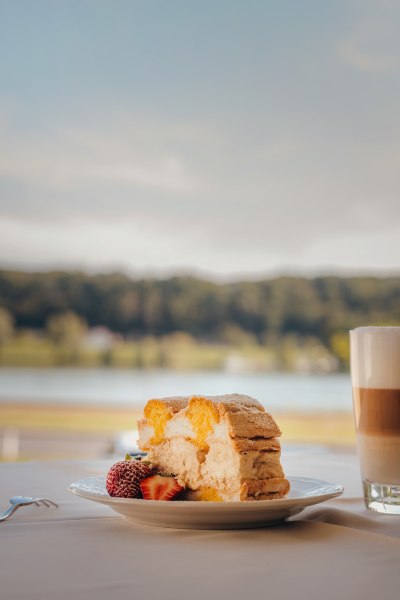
373, 44
64, 162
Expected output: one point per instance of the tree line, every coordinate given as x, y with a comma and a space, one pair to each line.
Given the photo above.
317, 307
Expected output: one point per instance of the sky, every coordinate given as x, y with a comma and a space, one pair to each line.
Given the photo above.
228, 138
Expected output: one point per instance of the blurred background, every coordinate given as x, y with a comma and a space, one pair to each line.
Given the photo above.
194, 198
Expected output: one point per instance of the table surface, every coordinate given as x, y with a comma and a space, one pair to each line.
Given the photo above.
84, 550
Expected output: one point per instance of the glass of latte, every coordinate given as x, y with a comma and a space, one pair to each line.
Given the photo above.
375, 374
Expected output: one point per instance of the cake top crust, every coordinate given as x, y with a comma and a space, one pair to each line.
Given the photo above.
224, 403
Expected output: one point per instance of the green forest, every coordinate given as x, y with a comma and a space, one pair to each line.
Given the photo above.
271, 320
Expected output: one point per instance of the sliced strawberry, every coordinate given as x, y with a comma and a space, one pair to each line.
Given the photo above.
158, 487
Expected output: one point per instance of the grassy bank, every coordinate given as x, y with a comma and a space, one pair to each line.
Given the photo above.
178, 351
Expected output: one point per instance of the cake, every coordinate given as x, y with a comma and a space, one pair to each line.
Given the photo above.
219, 448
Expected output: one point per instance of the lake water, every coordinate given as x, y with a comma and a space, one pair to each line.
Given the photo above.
107, 387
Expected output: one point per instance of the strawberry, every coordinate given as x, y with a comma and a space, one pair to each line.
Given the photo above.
158, 487
123, 479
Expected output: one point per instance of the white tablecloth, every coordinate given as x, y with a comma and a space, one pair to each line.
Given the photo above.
337, 550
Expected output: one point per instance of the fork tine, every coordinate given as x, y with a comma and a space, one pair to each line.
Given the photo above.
52, 503
47, 502
37, 503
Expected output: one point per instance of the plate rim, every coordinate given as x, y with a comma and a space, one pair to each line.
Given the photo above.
337, 490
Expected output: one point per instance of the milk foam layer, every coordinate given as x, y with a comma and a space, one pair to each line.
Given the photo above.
375, 357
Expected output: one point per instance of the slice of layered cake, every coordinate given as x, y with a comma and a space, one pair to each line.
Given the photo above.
218, 447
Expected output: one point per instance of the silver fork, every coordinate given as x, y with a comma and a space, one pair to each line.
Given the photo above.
17, 501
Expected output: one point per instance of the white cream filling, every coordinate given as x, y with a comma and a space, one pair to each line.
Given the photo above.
179, 426
145, 434
220, 432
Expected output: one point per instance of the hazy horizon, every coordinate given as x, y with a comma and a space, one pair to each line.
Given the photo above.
202, 274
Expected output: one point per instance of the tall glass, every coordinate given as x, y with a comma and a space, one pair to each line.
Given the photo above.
375, 374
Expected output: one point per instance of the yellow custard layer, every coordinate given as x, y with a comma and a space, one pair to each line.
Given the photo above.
203, 415
208, 494
157, 415
200, 412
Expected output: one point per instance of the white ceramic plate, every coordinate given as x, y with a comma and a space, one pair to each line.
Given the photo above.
211, 515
